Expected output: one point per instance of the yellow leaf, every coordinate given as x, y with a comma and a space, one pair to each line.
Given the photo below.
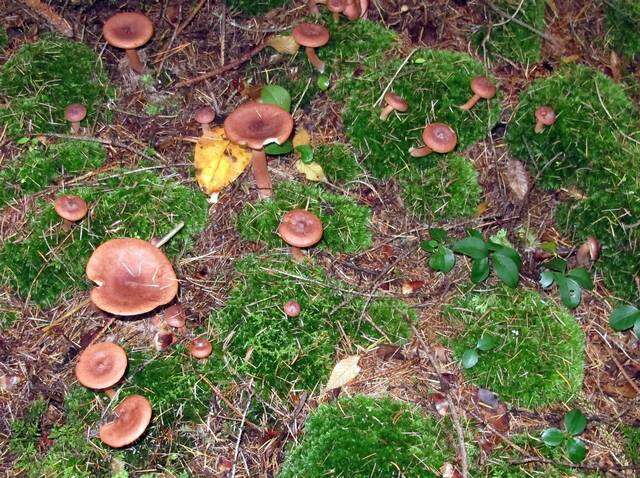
312, 171
345, 370
218, 161
301, 137
284, 44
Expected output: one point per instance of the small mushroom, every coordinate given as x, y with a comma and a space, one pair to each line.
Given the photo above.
545, 116
354, 9
71, 209
336, 7
102, 365
589, 252
394, 102
255, 125
437, 137
300, 229
205, 116
292, 308
482, 88
130, 419
163, 339
312, 36
129, 30
74, 113
133, 277
174, 316
200, 348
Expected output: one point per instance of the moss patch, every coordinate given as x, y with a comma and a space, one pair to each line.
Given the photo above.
539, 358
623, 26
4, 38
298, 353
46, 263
338, 162
347, 225
631, 436
42, 78
255, 7
363, 437
8, 317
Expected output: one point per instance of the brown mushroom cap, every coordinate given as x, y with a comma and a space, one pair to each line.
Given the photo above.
205, 115
127, 30
311, 35
101, 365
335, 6
132, 418
175, 316
300, 228
292, 308
397, 101
256, 124
439, 137
200, 348
483, 87
133, 277
546, 115
75, 112
71, 208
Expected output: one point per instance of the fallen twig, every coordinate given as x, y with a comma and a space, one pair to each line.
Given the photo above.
56, 21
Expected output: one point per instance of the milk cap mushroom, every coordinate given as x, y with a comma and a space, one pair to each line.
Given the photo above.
102, 365
205, 116
483, 88
300, 228
336, 7
130, 419
200, 348
71, 208
74, 114
292, 308
545, 116
175, 316
312, 36
394, 102
129, 30
437, 137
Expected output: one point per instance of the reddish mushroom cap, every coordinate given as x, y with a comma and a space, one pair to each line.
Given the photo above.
300, 228
175, 316
133, 277
311, 35
101, 365
335, 6
396, 101
131, 419
200, 348
256, 124
71, 208
75, 112
483, 87
127, 30
546, 115
292, 308
205, 115
439, 137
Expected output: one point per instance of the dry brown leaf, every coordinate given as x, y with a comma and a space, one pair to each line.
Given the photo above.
345, 370
284, 44
312, 171
301, 137
410, 286
518, 179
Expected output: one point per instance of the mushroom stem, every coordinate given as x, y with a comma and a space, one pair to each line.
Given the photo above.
261, 173
471, 103
336, 17
206, 129
66, 224
297, 254
75, 127
317, 63
161, 242
134, 61
110, 392
386, 111
420, 152
539, 127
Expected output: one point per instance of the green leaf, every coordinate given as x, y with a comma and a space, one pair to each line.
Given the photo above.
323, 82
576, 450
442, 260
429, 246
487, 342
582, 277
556, 264
511, 254
552, 437
306, 153
575, 422
23, 140
470, 358
275, 149
551, 247
438, 234
547, 278
479, 270
473, 247
636, 328
420, 61
276, 95
570, 291
624, 317
506, 269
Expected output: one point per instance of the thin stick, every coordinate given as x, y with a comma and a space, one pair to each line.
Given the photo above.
169, 235
56, 21
393, 78
237, 449
522, 24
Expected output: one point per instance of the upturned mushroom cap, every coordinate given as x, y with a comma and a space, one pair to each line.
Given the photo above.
256, 124
205, 115
439, 137
71, 208
75, 112
200, 348
127, 30
101, 365
131, 419
300, 228
133, 277
483, 87
175, 316
311, 35
546, 115
397, 101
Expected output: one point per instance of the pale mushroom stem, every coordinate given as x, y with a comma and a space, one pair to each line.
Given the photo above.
539, 127
206, 129
297, 254
261, 173
134, 61
336, 17
471, 103
67, 225
110, 392
420, 152
317, 63
386, 111
75, 127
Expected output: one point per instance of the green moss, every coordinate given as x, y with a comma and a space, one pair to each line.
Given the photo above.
623, 26
8, 317
40, 166
298, 353
4, 38
631, 436
363, 437
507, 39
338, 162
46, 263
539, 359
255, 7
42, 78
346, 224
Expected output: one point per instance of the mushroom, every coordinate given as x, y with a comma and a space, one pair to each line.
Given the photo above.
205, 116
354, 9
74, 113
130, 419
482, 88
437, 137
292, 308
545, 116
129, 30
336, 7
133, 277
589, 252
255, 125
163, 340
300, 228
312, 36
200, 348
313, 6
71, 209
394, 102
175, 316
102, 365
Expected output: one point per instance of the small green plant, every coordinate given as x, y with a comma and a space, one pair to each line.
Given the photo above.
623, 26
574, 424
485, 343
570, 283
625, 317
442, 258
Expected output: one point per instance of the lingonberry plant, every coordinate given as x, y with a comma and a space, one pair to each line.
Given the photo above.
570, 283
574, 424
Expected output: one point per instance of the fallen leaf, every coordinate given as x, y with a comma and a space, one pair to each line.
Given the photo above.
345, 370
518, 179
301, 137
312, 171
441, 403
410, 286
284, 44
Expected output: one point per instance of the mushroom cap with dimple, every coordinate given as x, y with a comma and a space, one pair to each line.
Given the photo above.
546, 115
101, 365
300, 228
71, 208
75, 112
256, 124
200, 348
131, 418
133, 277
483, 87
175, 316
205, 115
127, 30
311, 35
397, 101
439, 137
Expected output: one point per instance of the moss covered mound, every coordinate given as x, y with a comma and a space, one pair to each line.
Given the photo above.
338, 162
539, 359
39, 166
298, 353
347, 225
46, 263
623, 26
255, 7
42, 78
363, 437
